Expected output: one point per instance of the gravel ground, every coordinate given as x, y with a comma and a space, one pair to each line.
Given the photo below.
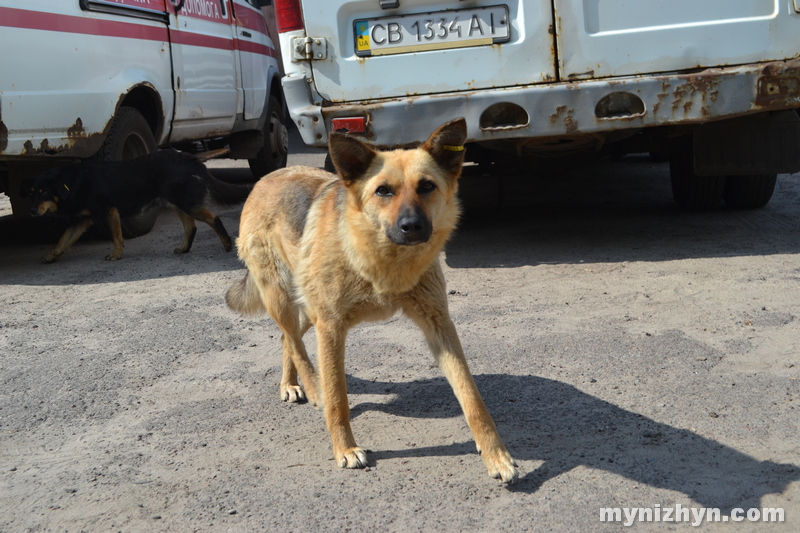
632, 355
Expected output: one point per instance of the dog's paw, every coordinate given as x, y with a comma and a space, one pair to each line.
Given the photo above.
113, 257
52, 258
315, 399
181, 250
352, 458
501, 466
293, 394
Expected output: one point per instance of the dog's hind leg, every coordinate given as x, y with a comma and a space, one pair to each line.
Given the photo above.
189, 231
293, 325
115, 226
69, 237
204, 215
429, 311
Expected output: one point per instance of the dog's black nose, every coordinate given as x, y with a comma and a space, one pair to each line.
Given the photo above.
412, 227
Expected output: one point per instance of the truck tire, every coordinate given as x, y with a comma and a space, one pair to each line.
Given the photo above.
273, 154
749, 192
690, 191
130, 137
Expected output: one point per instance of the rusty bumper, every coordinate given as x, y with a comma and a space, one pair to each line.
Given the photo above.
566, 109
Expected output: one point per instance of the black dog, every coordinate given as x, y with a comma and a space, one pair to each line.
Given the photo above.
107, 191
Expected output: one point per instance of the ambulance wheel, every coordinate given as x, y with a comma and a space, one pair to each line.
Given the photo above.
273, 154
130, 137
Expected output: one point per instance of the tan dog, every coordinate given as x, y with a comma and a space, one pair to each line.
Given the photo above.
334, 251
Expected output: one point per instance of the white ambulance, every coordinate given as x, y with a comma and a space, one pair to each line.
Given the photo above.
715, 83
115, 79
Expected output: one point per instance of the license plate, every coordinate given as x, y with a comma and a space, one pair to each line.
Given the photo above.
457, 28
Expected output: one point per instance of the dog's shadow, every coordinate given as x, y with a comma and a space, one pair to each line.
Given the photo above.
545, 420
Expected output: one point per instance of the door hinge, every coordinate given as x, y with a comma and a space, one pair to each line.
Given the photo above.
309, 48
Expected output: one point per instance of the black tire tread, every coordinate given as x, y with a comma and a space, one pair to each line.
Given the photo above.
690, 191
749, 192
268, 159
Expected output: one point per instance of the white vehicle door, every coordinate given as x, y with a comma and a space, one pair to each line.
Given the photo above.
64, 66
628, 37
205, 73
256, 54
427, 47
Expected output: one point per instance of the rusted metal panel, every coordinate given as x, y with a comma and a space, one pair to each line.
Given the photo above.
77, 143
779, 84
665, 100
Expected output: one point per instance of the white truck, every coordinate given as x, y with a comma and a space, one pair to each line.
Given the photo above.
713, 83
115, 79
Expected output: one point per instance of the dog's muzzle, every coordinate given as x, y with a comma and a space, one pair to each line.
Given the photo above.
411, 227
42, 208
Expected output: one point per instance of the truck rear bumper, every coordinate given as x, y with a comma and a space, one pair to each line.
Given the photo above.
567, 109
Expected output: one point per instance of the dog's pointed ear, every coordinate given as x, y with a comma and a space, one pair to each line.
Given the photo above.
446, 145
349, 156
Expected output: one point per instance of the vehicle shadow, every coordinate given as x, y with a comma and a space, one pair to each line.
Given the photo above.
599, 210
546, 420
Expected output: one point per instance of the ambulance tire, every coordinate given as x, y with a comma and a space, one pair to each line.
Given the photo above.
275, 151
130, 137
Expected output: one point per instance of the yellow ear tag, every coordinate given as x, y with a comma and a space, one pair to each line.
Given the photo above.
452, 148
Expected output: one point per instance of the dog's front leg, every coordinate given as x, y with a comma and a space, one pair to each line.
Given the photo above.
330, 350
115, 226
69, 237
443, 340
429, 311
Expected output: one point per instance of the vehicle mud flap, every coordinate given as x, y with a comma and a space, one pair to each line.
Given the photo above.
690, 191
767, 143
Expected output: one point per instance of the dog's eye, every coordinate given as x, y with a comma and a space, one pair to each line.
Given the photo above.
383, 190
426, 186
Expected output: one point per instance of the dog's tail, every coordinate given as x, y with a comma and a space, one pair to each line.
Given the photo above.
244, 297
224, 193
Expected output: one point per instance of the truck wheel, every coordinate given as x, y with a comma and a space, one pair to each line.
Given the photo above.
749, 191
130, 137
690, 191
273, 154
